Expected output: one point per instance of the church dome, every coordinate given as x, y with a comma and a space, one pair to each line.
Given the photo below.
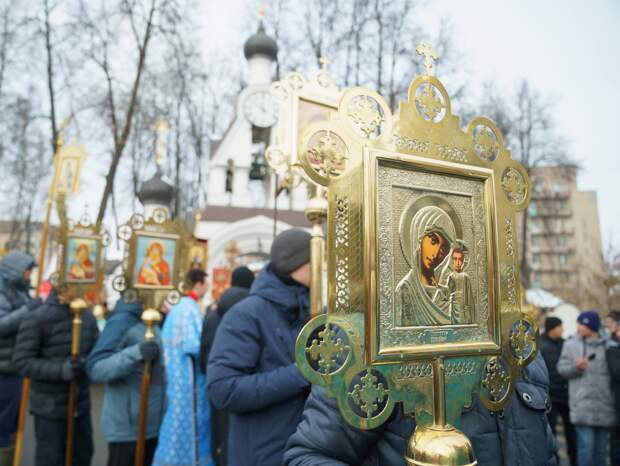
261, 44
156, 191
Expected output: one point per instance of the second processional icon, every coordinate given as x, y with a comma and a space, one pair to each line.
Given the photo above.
423, 268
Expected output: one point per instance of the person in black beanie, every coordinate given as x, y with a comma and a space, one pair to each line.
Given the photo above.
251, 372
551, 343
241, 282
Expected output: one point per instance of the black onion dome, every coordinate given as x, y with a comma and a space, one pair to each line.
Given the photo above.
260, 44
156, 191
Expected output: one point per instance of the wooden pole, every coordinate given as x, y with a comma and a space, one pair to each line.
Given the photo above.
150, 317
23, 402
77, 307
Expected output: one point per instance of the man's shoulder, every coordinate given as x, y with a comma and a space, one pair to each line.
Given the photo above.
250, 307
184, 305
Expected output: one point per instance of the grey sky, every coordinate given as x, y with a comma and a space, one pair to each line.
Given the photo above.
567, 48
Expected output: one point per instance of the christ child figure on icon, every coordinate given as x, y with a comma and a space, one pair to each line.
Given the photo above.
459, 287
155, 270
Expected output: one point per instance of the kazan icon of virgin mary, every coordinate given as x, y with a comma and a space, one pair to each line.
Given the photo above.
420, 295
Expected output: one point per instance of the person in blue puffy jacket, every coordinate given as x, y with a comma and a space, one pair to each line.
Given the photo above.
118, 361
519, 435
251, 370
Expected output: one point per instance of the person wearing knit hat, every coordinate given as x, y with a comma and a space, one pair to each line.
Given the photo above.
583, 362
551, 343
251, 369
290, 256
591, 320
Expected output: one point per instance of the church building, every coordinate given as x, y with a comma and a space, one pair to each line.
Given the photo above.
243, 215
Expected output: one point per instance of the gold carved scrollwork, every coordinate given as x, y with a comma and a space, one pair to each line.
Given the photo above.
366, 116
496, 381
370, 394
124, 232
523, 341
342, 261
486, 144
329, 350
295, 80
325, 156
160, 215
514, 186
119, 283
329, 154
430, 103
510, 247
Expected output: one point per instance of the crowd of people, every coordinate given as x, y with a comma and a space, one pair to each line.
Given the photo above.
584, 374
225, 389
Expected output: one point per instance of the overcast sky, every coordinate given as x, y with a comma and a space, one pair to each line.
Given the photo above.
568, 49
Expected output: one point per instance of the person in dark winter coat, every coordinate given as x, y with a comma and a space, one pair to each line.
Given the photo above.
240, 284
551, 343
242, 279
43, 353
118, 360
613, 364
584, 363
519, 436
251, 372
15, 306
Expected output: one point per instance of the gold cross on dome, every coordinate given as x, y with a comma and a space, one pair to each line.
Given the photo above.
261, 9
430, 55
324, 61
161, 128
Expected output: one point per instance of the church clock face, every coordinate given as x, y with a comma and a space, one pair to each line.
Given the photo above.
259, 108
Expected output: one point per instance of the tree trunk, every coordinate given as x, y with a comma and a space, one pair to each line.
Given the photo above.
50, 78
122, 141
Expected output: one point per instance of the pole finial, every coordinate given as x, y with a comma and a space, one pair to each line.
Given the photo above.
324, 61
61, 133
261, 9
161, 128
78, 306
150, 317
430, 55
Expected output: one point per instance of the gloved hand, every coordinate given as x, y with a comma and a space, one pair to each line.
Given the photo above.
73, 370
149, 350
34, 304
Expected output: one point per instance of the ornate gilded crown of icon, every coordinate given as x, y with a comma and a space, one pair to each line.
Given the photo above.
423, 268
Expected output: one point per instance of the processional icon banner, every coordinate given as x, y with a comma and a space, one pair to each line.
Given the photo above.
157, 256
81, 259
423, 267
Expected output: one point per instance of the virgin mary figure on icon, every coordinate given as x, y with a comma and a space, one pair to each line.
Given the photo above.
419, 296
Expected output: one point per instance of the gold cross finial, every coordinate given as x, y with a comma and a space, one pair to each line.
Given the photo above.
161, 128
261, 9
61, 133
324, 61
430, 55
